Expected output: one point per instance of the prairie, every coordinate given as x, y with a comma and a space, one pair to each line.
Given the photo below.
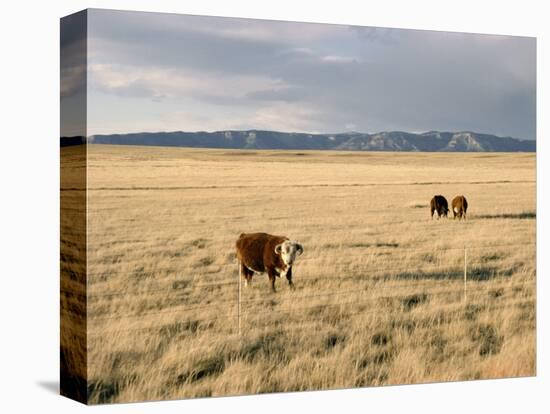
380, 296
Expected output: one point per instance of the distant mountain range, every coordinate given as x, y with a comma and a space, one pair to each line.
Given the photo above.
432, 141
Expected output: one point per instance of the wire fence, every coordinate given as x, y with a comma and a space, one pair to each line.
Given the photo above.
375, 249
187, 286
458, 274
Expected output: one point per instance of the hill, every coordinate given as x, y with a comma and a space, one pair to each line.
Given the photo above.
433, 141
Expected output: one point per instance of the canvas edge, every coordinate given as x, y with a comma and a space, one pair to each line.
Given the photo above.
73, 367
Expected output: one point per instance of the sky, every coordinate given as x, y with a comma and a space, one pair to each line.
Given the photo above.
169, 72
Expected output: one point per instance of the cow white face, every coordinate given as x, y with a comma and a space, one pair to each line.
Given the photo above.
289, 250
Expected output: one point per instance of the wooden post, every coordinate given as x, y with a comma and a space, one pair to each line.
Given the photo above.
239, 300
465, 270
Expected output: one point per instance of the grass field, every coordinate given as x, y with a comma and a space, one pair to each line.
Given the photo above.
379, 297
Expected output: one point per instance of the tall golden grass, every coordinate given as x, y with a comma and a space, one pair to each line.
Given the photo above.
379, 295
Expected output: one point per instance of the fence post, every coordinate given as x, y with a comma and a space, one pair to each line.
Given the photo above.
239, 299
465, 270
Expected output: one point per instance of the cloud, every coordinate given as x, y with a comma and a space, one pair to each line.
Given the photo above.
73, 55
73, 80
171, 83
283, 116
313, 77
73, 75
339, 59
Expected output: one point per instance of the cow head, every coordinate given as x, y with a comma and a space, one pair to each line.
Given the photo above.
288, 250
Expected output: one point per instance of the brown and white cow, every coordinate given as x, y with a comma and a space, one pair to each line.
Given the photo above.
459, 206
439, 204
265, 253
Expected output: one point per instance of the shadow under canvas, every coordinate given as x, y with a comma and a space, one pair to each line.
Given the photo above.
51, 386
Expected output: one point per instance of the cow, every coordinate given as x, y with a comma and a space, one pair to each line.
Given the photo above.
265, 253
439, 204
459, 205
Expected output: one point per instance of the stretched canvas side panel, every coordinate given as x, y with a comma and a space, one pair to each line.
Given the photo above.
73, 304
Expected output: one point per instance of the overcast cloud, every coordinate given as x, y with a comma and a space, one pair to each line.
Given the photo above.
165, 72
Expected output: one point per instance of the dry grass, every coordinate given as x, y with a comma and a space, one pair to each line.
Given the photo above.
379, 296
73, 339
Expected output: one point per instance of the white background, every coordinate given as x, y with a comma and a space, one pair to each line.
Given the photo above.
29, 203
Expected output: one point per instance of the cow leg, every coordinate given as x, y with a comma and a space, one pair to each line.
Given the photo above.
272, 275
247, 274
432, 213
289, 277
242, 273
272, 281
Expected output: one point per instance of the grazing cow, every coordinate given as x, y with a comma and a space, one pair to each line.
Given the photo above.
459, 205
439, 204
265, 253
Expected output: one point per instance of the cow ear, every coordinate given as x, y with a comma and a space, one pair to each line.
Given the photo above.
278, 248
299, 248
